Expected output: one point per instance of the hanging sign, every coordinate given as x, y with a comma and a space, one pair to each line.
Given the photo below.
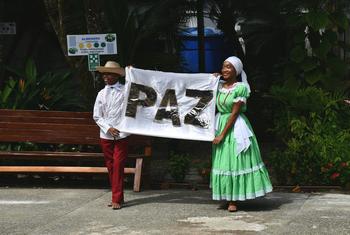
102, 44
93, 61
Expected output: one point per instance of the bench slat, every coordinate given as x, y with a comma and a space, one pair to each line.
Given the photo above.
49, 154
41, 154
90, 128
50, 139
61, 137
66, 120
40, 113
60, 169
64, 133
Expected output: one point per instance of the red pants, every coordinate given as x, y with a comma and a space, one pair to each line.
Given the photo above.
115, 153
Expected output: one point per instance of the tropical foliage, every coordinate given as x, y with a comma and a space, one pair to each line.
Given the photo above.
297, 48
312, 122
50, 91
313, 134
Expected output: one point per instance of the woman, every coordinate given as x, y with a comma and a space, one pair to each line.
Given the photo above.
238, 172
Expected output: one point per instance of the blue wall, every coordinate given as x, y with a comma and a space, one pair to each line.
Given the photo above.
216, 50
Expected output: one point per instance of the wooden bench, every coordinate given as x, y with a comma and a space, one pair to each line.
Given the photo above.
56, 127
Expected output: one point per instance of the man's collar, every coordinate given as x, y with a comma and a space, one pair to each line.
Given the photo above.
116, 86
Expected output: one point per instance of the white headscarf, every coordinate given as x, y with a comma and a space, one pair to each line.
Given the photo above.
238, 65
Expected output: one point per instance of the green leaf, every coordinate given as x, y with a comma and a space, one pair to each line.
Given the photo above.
309, 64
30, 71
317, 19
298, 54
313, 77
8, 89
292, 83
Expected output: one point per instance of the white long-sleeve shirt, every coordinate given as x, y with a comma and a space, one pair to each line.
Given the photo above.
108, 110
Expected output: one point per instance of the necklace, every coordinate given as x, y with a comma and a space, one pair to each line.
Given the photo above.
223, 103
227, 93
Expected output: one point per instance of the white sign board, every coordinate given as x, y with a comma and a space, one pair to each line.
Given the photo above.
82, 45
172, 105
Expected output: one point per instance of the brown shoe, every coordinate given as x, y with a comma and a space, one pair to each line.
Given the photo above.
232, 207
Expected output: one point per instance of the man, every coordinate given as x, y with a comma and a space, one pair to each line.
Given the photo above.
107, 113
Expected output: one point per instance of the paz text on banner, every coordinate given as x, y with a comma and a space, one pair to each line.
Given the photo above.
171, 105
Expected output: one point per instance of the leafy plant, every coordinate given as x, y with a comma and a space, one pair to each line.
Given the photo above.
51, 91
313, 129
313, 58
337, 172
178, 166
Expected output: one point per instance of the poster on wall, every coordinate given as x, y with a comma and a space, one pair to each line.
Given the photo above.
83, 45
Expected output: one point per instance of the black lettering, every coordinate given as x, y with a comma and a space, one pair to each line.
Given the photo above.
173, 114
192, 118
134, 100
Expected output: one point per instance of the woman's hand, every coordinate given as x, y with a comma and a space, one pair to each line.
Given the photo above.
114, 132
216, 74
218, 139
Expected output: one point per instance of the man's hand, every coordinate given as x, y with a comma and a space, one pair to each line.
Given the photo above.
114, 132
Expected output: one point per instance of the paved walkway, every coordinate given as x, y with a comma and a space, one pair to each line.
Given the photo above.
85, 211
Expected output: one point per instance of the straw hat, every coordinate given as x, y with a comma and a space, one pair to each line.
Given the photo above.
111, 67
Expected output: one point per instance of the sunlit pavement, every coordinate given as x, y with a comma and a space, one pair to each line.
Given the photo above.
85, 211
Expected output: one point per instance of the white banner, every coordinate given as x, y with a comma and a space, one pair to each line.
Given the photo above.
172, 105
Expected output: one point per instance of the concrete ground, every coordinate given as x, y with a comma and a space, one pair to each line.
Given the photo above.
85, 211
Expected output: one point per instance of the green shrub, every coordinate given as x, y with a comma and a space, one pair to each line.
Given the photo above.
179, 165
314, 129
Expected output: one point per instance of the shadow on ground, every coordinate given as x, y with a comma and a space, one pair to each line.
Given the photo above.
188, 197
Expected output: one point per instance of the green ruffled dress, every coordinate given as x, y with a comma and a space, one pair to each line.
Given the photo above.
236, 176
